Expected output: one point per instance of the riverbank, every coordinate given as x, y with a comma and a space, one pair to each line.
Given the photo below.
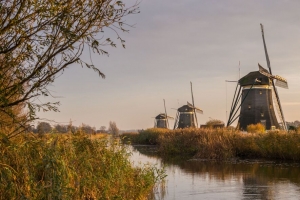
212, 179
220, 144
70, 166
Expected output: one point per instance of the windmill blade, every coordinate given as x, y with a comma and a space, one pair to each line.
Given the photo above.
280, 82
189, 104
169, 117
197, 110
276, 104
194, 104
275, 90
263, 71
265, 48
176, 120
166, 114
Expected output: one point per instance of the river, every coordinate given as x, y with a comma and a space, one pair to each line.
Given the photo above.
203, 179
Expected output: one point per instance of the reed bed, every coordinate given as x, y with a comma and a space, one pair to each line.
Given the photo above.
222, 144
70, 166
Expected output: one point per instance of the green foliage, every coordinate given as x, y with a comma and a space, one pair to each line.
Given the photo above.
43, 127
70, 167
223, 143
41, 38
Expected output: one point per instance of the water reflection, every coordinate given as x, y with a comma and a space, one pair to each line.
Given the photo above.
242, 179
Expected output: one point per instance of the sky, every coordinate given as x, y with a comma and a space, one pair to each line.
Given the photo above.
172, 43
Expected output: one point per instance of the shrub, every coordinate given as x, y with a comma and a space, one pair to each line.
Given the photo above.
256, 128
214, 122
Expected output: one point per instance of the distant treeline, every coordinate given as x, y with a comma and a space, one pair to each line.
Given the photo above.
45, 127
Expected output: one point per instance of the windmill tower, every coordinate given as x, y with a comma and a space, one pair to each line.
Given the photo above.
186, 115
161, 120
257, 98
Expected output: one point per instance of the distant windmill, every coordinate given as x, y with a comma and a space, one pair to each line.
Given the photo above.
186, 115
161, 120
257, 98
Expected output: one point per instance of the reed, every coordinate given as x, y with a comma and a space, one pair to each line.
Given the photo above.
224, 143
147, 137
70, 166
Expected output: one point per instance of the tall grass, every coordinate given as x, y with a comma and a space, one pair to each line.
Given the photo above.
147, 137
70, 167
224, 143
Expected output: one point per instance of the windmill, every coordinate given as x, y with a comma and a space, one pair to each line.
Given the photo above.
257, 98
186, 115
161, 120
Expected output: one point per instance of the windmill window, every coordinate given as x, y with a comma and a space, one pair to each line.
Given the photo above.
260, 92
271, 106
249, 106
262, 114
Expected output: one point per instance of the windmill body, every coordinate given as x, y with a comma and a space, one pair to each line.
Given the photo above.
257, 101
186, 117
161, 121
258, 104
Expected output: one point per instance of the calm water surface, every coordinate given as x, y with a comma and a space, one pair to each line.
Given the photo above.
200, 179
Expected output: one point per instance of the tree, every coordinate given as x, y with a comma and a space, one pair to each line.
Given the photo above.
113, 129
87, 129
39, 39
102, 129
61, 128
44, 127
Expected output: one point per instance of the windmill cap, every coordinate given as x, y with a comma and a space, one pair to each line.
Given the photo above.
161, 116
251, 78
186, 108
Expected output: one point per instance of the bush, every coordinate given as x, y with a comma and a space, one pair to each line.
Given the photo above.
256, 128
214, 122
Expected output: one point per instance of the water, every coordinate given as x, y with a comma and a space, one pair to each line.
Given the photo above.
202, 179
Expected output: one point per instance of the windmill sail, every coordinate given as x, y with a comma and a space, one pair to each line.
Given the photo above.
198, 110
275, 90
166, 114
194, 104
280, 82
263, 71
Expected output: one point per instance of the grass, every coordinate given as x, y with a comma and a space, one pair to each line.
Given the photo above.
222, 144
70, 166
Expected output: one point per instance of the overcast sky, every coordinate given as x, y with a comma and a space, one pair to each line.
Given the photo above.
175, 42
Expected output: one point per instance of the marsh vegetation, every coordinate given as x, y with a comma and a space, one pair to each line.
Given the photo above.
71, 166
221, 144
